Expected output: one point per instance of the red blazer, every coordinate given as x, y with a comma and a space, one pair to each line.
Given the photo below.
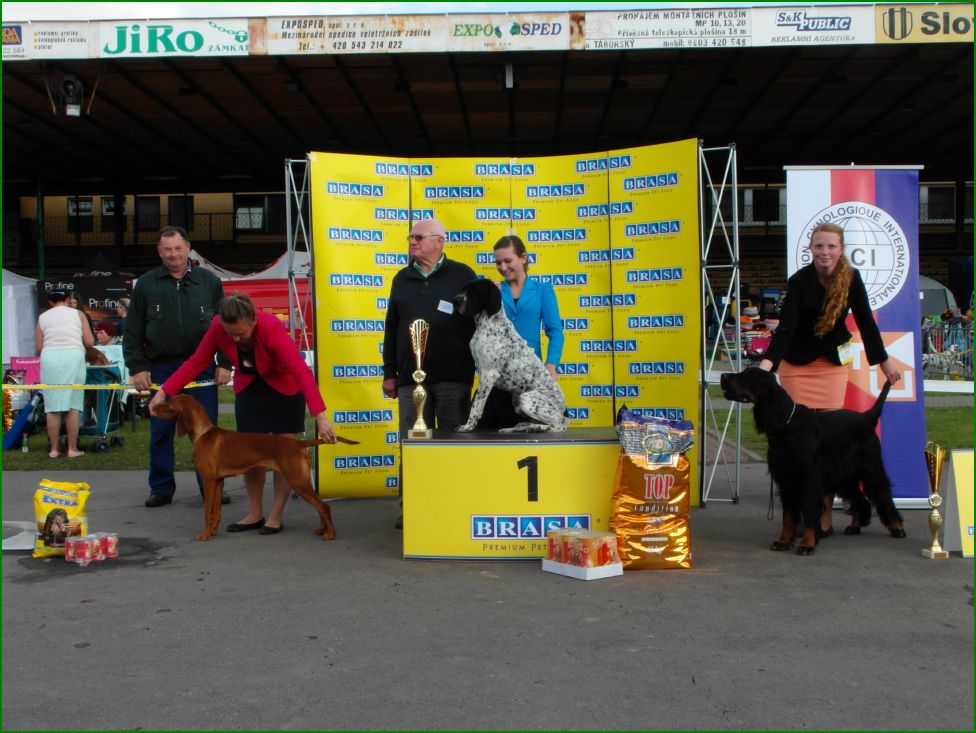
276, 358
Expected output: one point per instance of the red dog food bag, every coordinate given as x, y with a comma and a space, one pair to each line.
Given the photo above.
59, 511
651, 499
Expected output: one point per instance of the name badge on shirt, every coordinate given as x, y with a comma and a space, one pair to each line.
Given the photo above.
846, 353
446, 306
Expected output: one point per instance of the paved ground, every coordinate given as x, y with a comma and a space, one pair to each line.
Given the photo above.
288, 632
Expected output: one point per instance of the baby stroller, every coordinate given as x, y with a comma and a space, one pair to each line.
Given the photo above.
103, 408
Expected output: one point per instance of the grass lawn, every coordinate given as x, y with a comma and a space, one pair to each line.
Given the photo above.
950, 427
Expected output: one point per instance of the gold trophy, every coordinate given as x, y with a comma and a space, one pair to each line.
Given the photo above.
935, 456
418, 342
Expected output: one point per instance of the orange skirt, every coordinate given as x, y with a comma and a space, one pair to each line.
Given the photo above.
821, 384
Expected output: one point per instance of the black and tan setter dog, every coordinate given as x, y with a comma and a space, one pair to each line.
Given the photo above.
813, 455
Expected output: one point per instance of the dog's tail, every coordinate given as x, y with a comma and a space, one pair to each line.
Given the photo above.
322, 441
875, 412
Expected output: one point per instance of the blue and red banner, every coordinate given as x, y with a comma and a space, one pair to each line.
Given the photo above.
878, 209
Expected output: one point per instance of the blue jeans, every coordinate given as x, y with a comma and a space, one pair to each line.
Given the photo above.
446, 408
162, 432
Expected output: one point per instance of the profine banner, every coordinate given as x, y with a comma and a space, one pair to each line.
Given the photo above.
878, 209
596, 236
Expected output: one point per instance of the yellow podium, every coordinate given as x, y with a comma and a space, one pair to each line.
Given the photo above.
492, 496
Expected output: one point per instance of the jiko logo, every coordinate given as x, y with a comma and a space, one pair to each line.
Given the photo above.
154, 39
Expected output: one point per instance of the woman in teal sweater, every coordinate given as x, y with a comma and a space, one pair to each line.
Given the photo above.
529, 304
532, 308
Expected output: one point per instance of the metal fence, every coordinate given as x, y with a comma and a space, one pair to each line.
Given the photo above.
947, 350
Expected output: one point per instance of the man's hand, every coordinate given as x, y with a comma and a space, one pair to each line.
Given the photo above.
222, 376
141, 381
158, 399
390, 388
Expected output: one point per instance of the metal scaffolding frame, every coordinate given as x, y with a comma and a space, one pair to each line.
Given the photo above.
298, 238
298, 234
718, 180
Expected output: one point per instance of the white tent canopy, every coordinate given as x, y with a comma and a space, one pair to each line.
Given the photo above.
19, 315
277, 270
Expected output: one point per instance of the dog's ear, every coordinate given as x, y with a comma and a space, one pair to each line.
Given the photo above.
773, 407
492, 296
180, 425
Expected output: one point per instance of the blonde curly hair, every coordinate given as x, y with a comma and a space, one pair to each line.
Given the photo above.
840, 285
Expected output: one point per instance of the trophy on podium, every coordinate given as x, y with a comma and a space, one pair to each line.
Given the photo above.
418, 342
935, 456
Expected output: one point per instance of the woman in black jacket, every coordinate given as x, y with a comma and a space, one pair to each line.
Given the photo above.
811, 346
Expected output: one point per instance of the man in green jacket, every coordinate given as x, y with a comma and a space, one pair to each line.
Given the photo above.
170, 311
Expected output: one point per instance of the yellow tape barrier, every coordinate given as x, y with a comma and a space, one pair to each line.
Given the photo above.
191, 385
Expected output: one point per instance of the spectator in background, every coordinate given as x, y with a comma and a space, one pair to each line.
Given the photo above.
75, 300
171, 309
106, 334
61, 335
123, 312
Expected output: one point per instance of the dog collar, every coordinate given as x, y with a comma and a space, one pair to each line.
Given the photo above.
205, 431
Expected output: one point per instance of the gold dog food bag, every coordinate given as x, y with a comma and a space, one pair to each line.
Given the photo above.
652, 493
59, 513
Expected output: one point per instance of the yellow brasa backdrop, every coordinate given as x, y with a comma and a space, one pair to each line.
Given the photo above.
616, 233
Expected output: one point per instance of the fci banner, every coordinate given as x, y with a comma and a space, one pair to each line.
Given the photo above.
615, 233
878, 209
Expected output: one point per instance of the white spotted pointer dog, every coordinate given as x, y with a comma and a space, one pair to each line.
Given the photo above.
505, 361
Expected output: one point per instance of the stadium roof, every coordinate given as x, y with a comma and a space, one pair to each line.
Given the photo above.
227, 122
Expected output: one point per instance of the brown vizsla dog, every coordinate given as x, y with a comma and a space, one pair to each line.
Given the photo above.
219, 453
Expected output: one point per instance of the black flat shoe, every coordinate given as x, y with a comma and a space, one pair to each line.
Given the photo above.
241, 527
271, 530
822, 533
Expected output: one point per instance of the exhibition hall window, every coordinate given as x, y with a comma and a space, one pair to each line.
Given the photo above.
80, 214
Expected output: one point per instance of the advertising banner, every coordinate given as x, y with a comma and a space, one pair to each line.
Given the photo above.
557, 196
513, 32
628, 289
656, 285
360, 219
173, 38
878, 210
924, 23
812, 26
61, 40
700, 27
342, 34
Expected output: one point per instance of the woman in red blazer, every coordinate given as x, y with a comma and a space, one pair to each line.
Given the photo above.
272, 383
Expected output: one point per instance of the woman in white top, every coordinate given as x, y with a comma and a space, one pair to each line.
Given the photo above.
61, 336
